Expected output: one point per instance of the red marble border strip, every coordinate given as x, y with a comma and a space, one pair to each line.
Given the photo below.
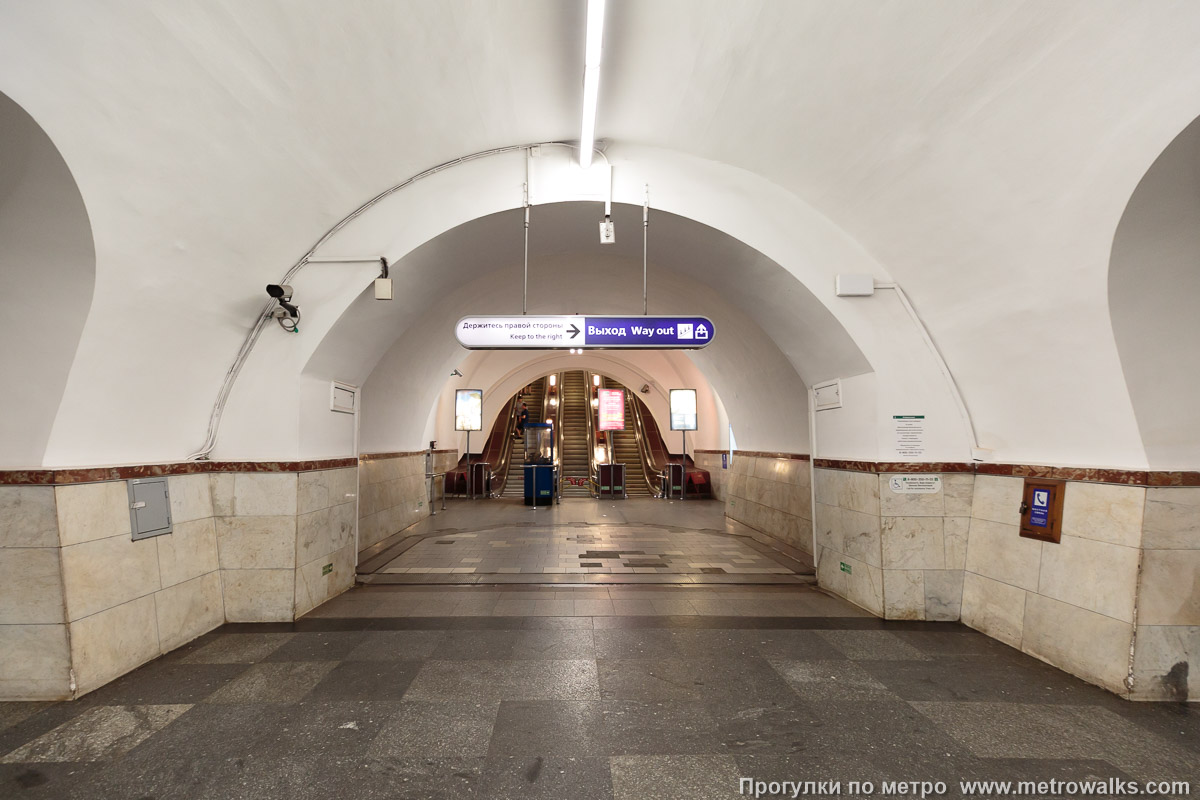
761, 454
1085, 474
1175, 478
755, 454
852, 466
1081, 474
61, 477
398, 454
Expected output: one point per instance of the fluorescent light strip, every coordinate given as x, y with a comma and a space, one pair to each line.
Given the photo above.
591, 80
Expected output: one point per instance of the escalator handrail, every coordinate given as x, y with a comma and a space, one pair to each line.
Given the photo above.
649, 467
593, 466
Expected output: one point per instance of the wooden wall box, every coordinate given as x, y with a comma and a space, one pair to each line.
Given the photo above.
1041, 509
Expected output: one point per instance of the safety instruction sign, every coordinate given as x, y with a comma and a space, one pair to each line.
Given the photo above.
528, 332
1039, 508
910, 435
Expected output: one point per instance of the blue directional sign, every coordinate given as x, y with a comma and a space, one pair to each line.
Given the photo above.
1039, 510
599, 332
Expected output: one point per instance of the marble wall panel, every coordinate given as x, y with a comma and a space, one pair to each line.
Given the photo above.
1172, 519
1104, 512
1093, 575
189, 551
112, 642
90, 511
314, 586
28, 517
913, 543
903, 594
861, 537
100, 574
264, 494
325, 488
1169, 592
1167, 663
993, 607
1093, 646
997, 499
997, 551
259, 595
35, 662
857, 491
959, 491
955, 531
256, 542
943, 594
191, 497
189, 609
220, 485
916, 504
863, 585
829, 527
31, 590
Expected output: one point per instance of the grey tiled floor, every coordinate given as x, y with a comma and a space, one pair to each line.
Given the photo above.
432, 692
580, 536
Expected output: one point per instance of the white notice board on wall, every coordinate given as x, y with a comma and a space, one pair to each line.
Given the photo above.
910, 435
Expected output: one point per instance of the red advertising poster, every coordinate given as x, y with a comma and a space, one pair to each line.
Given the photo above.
612, 409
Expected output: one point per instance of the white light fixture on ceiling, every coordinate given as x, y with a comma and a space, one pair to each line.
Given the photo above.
591, 79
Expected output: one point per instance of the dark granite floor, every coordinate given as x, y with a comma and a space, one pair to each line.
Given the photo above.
628, 707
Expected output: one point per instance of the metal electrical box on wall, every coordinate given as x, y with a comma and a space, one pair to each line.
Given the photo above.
1041, 509
149, 507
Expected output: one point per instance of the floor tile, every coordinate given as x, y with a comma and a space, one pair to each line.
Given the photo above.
282, 682
673, 777
102, 733
421, 729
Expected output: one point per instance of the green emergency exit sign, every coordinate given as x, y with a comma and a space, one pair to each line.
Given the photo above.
845, 567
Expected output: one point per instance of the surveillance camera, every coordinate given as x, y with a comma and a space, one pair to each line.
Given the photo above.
456, 374
279, 292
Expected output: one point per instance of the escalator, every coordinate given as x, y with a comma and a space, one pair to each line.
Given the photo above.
627, 449
514, 481
576, 447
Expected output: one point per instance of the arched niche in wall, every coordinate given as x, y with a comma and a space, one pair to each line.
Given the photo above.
1154, 299
47, 276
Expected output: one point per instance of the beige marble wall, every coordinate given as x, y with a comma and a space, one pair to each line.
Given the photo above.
771, 495
325, 525
1071, 604
849, 537
255, 518
35, 658
82, 603
924, 547
1167, 651
128, 602
395, 494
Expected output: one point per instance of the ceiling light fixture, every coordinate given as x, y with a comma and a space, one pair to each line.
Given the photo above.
591, 80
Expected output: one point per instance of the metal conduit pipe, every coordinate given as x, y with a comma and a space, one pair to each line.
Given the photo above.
252, 336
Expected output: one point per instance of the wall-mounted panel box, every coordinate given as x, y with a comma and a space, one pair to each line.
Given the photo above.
827, 395
149, 507
1041, 509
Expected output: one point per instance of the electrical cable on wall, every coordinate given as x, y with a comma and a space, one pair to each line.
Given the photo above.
252, 336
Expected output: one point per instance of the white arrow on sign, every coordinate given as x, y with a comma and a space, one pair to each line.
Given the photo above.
519, 332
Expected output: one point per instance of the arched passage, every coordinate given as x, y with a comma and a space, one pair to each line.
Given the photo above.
1153, 290
47, 253
760, 309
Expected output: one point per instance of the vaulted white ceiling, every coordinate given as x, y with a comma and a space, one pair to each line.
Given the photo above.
980, 152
